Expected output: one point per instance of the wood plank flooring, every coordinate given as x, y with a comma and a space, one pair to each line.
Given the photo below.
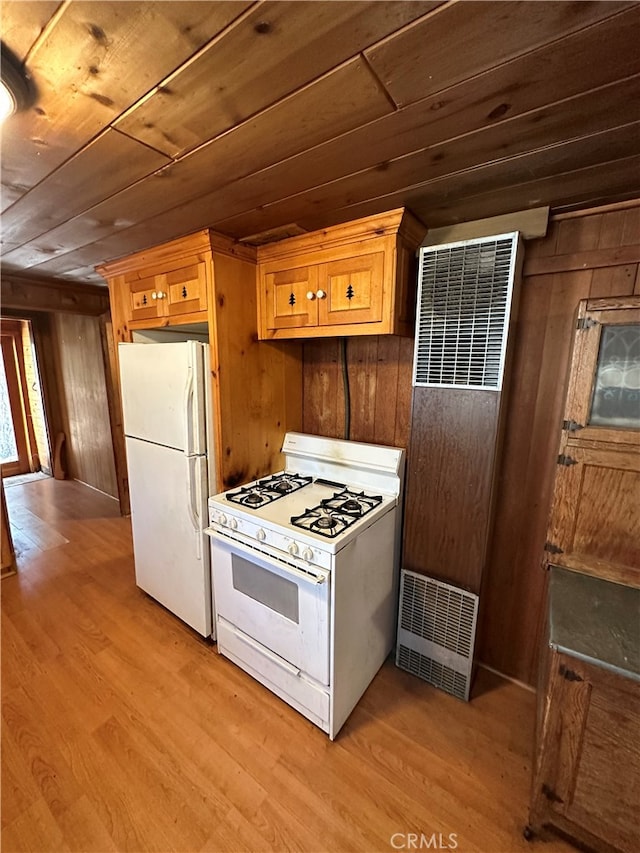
123, 730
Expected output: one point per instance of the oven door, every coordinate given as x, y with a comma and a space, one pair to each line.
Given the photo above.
280, 606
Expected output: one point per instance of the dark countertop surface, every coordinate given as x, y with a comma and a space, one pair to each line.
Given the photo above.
595, 620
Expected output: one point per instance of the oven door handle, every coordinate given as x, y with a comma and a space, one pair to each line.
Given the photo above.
286, 568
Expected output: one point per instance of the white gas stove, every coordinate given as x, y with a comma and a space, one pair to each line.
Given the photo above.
305, 570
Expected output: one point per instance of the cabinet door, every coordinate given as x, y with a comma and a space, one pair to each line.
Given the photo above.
144, 303
186, 289
587, 781
291, 301
594, 519
351, 290
603, 398
594, 527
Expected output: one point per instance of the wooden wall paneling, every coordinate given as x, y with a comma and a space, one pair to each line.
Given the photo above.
323, 401
89, 443
453, 433
403, 402
46, 353
27, 294
613, 281
402, 60
513, 596
512, 607
362, 354
386, 390
120, 61
114, 405
283, 42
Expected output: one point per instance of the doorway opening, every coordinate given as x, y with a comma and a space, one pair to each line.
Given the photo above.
24, 435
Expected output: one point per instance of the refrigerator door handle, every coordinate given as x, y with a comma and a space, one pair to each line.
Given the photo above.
194, 500
188, 408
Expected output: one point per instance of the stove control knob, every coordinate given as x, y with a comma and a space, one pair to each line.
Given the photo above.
293, 549
307, 555
233, 524
222, 518
261, 535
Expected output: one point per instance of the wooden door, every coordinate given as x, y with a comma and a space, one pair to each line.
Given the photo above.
17, 436
351, 290
291, 298
594, 524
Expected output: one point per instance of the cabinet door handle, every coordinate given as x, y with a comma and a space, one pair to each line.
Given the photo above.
154, 295
310, 295
321, 294
161, 295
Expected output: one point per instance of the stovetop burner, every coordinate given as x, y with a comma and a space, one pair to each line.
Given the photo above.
333, 515
268, 490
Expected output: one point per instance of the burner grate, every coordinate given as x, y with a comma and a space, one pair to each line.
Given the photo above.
335, 514
268, 490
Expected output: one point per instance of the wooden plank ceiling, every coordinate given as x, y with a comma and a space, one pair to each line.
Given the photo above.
156, 119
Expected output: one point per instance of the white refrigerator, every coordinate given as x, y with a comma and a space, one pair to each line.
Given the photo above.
165, 405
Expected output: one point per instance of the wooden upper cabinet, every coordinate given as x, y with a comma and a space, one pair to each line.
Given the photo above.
595, 524
163, 286
352, 279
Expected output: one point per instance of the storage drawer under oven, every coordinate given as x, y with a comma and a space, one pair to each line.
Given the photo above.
277, 675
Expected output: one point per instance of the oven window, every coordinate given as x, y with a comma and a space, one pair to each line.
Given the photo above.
261, 585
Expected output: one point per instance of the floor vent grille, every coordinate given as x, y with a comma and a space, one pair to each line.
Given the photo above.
436, 632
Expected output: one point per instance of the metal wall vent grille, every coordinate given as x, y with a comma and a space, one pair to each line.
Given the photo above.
436, 632
464, 301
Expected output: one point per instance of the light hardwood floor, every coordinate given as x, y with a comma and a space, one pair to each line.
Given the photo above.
123, 730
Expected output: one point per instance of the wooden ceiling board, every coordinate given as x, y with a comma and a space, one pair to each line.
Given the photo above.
461, 109
96, 61
357, 190
460, 40
502, 98
586, 114
583, 188
267, 54
353, 197
342, 99
21, 23
108, 164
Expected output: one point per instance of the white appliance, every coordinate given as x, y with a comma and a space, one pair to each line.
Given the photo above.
305, 573
166, 424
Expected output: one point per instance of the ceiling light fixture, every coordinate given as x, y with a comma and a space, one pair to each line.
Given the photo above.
16, 88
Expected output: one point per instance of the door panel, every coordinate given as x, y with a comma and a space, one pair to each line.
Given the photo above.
594, 525
171, 551
354, 288
15, 438
162, 394
288, 305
